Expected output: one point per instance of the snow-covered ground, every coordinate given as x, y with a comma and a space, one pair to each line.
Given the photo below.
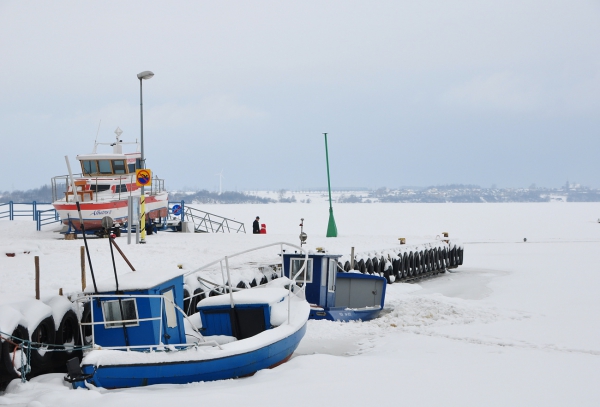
516, 325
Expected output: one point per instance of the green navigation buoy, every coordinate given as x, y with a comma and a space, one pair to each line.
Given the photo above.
331, 227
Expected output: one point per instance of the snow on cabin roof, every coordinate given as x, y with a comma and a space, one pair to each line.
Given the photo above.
135, 280
259, 295
106, 156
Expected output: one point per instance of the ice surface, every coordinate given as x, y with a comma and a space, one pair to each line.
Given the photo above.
516, 325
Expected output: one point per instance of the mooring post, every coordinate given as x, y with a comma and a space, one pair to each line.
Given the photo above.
82, 255
37, 277
352, 258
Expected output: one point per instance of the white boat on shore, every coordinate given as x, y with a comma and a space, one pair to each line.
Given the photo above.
103, 187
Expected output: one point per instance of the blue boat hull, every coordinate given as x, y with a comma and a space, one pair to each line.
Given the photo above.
119, 376
344, 314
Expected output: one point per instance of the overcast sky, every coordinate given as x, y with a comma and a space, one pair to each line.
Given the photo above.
410, 92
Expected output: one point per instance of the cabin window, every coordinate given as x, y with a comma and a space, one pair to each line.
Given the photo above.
120, 188
89, 167
119, 166
99, 188
170, 309
104, 167
331, 275
112, 313
131, 167
296, 265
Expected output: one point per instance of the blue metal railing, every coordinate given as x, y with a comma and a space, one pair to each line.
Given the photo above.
8, 213
46, 217
42, 217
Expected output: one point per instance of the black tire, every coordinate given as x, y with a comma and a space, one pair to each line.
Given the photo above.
405, 266
347, 266
263, 280
461, 252
386, 273
361, 266
376, 266
396, 269
186, 301
453, 257
7, 370
426, 268
42, 360
443, 264
86, 317
411, 264
67, 335
369, 266
417, 267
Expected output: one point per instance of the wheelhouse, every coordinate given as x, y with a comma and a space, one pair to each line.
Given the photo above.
109, 164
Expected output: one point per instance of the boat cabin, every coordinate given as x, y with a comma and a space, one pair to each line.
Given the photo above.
249, 315
109, 164
142, 313
336, 295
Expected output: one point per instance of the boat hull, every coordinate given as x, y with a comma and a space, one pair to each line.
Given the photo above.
93, 212
239, 365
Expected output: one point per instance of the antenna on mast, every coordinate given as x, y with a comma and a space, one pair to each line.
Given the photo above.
220, 174
96, 140
98, 131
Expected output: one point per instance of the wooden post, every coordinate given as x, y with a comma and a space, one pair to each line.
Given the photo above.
37, 277
82, 255
352, 258
60, 292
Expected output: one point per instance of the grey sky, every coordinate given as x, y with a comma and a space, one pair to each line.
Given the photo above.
411, 93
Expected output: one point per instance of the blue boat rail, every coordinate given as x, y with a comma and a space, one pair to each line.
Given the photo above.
300, 292
89, 298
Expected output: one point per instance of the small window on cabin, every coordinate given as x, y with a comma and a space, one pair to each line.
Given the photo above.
104, 167
296, 265
89, 167
138, 163
119, 166
99, 188
112, 313
131, 167
331, 275
120, 188
170, 309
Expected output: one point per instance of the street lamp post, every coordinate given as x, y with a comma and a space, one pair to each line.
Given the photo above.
143, 75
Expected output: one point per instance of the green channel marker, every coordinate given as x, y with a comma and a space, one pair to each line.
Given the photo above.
331, 227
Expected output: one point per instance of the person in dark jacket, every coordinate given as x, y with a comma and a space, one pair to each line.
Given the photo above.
256, 226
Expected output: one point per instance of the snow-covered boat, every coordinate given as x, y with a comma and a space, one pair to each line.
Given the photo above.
140, 335
103, 187
333, 294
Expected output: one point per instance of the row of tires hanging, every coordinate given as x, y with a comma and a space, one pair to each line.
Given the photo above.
44, 348
408, 264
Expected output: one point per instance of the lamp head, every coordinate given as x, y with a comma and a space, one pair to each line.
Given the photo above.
145, 75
